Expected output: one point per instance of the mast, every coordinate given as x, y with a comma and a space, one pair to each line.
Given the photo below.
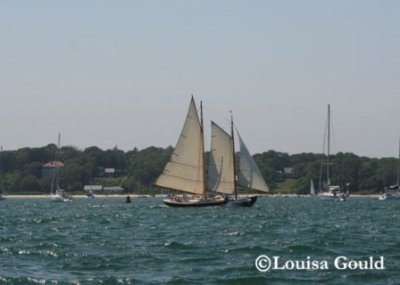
234, 158
58, 159
1, 171
398, 169
203, 152
329, 145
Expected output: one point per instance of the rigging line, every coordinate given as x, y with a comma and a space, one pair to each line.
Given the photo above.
322, 156
221, 120
333, 136
183, 178
334, 148
1, 171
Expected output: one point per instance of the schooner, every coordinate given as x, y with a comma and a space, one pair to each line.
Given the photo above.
186, 170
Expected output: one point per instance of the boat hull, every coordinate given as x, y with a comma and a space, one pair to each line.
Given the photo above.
56, 198
329, 196
60, 196
196, 203
388, 197
243, 202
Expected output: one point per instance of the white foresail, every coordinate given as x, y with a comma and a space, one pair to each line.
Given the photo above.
221, 175
185, 170
312, 189
249, 175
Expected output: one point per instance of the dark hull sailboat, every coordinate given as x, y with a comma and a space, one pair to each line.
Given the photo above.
186, 171
243, 202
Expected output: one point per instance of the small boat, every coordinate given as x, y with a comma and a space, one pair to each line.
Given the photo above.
56, 193
390, 194
333, 192
60, 196
90, 194
326, 190
185, 171
382, 197
393, 192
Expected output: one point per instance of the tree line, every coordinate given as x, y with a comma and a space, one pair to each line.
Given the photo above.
136, 170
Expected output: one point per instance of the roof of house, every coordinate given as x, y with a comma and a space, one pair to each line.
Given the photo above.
54, 164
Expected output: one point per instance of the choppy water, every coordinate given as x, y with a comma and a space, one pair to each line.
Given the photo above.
105, 241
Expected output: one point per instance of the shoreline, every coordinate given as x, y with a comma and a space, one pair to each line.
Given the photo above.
135, 196
46, 196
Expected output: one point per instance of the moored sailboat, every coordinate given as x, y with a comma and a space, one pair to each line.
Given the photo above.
185, 171
56, 193
393, 191
325, 189
224, 177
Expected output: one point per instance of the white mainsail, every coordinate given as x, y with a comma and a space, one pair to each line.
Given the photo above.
221, 173
249, 175
185, 170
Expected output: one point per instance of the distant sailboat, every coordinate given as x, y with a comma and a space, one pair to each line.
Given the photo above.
223, 175
1, 174
89, 188
393, 192
312, 189
185, 170
90, 194
326, 189
56, 193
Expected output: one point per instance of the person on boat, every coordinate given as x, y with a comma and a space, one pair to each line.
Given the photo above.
128, 199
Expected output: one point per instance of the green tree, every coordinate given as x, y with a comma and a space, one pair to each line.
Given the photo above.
29, 184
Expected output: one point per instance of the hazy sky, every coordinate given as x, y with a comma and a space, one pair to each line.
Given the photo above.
121, 73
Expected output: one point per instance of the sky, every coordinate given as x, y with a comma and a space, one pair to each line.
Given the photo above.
121, 73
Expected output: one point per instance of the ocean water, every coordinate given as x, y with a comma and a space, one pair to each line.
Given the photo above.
105, 241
